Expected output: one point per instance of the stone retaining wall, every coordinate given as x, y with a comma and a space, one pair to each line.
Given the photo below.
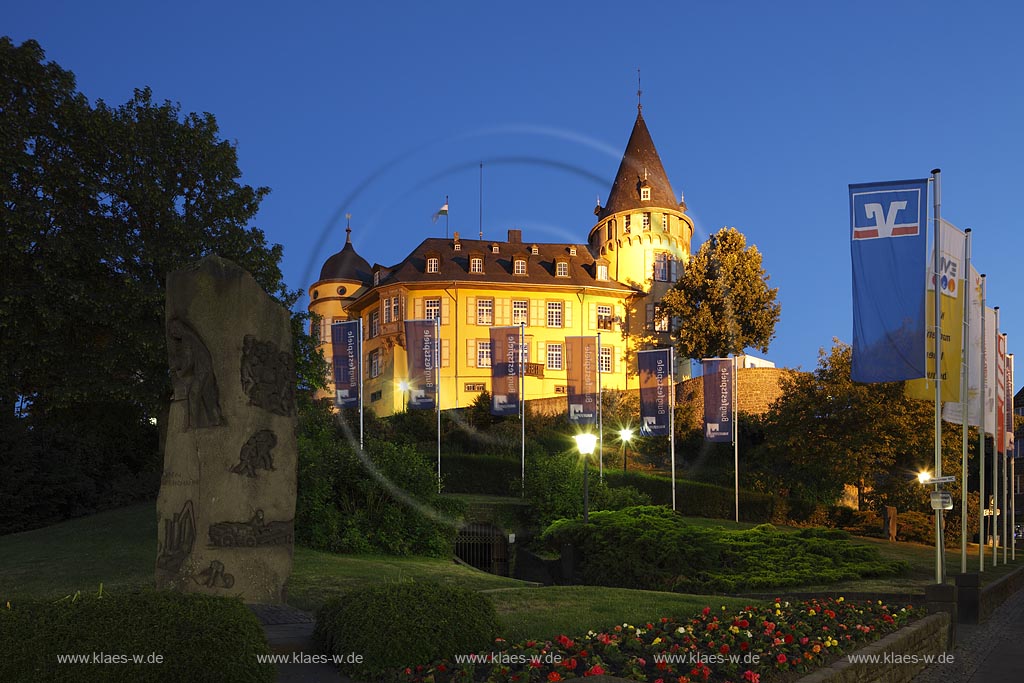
995, 594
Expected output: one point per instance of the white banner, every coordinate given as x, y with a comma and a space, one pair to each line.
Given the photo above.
951, 411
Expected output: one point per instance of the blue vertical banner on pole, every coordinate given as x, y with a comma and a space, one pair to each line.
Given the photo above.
655, 369
505, 368
346, 347
420, 346
581, 379
718, 398
888, 242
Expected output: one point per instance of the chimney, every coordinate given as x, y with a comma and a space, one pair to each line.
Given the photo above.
456, 236
515, 236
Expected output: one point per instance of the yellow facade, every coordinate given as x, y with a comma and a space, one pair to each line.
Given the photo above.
609, 287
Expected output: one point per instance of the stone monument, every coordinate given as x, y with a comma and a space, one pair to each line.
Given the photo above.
226, 508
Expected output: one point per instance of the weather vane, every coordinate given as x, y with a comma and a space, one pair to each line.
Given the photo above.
639, 92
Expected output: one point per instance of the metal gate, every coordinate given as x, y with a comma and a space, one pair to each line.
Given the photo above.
483, 546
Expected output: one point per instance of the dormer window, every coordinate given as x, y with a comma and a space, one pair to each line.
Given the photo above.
602, 271
376, 278
433, 264
645, 194
562, 269
519, 267
494, 248
458, 246
476, 265
572, 251
534, 250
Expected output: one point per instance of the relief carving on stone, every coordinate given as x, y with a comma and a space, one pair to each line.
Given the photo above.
192, 375
268, 376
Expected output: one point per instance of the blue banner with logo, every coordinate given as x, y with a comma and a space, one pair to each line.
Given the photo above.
505, 368
421, 349
655, 369
888, 245
718, 398
581, 379
345, 346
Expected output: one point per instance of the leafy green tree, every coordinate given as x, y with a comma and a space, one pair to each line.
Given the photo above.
723, 299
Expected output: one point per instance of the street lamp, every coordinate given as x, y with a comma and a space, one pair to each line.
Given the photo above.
404, 387
586, 443
924, 477
625, 435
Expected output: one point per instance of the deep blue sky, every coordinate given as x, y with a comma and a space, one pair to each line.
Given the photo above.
762, 113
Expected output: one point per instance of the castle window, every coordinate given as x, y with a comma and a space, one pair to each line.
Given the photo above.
520, 267
458, 246
554, 357
433, 264
374, 324
534, 250
562, 269
604, 359
483, 354
485, 311
554, 314
662, 269
609, 231
476, 265
376, 278
475, 386
645, 194
604, 317
520, 311
657, 320
625, 224
494, 248
432, 309
602, 271
374, 361
572, 251
664, 222
647, 220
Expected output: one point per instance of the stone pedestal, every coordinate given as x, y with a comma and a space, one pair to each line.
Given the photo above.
942, 597
968, 590
226, 507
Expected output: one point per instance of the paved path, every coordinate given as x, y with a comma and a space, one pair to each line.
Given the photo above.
289, 631
988, 652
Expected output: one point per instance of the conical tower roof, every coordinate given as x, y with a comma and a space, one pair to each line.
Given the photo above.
640, 166
347, 264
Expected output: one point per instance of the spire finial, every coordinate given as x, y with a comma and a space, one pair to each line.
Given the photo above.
639, 92
348, 228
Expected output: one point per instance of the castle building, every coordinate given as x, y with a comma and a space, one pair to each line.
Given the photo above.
611, 286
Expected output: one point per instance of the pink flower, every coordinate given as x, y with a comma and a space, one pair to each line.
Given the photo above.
751, 677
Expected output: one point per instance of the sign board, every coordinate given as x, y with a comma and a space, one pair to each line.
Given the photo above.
940, 480
942, 500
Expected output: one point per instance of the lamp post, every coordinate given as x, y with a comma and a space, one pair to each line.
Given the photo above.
586, 443
404, 387
625, 435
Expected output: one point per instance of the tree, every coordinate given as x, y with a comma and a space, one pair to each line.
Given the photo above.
826, 430
723, 299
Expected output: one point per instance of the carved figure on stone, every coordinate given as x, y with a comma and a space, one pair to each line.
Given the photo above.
194, 380
179, 537
268, 376
255, 532
214, 576
256, 455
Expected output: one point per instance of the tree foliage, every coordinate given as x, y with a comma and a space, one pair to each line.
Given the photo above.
723, 299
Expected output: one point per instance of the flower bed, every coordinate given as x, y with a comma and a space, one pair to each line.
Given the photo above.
757, 645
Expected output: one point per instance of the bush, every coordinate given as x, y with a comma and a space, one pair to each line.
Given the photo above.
918, 527
194, 634
697, 499
653, 548
404, 624
481, 474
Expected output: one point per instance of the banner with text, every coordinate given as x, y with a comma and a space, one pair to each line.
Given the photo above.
718, 398
951, 268
953, 411
887, 245
655, 369
421, 349
990, 370
581, 379
1000, 391
505, 367
1008, 433
345, 343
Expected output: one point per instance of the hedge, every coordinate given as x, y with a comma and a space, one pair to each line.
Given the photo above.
194, 635
697, 499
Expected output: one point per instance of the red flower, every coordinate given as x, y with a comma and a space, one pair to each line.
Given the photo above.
706, 611
724, 649
595, 670
554, 676
743, 623
780, 658
751, 677
442, 668
788, 639
744, 646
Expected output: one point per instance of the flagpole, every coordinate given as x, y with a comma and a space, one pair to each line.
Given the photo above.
361, 369
437, 395
736, 433
965, 369
936, 264
995, 451
522, 405
1007, 425
983, 412
446, 218
600, 413
672, 418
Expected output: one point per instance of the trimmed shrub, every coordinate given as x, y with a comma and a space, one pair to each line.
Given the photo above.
482, 474
404, 624
653, 548
697, 499
195, 636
